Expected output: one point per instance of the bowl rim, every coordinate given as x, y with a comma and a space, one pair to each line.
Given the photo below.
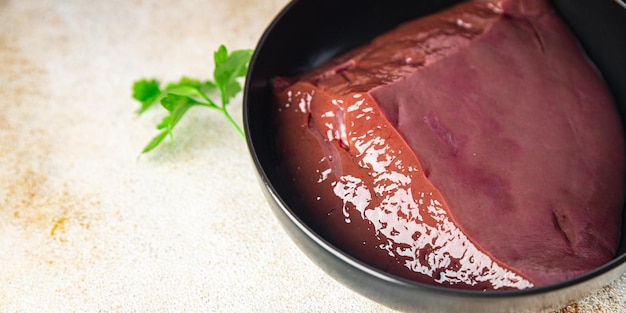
382, 275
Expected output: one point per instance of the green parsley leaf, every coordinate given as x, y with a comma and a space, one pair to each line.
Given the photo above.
227, 69
154, 142
146, 92
178, 97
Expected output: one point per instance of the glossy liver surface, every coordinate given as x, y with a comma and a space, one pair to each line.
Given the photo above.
473, 148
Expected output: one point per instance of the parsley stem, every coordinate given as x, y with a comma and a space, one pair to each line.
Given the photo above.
224, 112
233, 123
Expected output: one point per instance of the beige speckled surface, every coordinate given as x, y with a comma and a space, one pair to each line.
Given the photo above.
85, 226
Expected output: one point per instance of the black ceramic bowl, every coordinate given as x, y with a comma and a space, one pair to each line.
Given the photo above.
307, 33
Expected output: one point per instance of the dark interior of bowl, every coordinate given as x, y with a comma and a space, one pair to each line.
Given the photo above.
309, 32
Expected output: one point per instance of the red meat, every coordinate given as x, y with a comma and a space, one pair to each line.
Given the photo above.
474, 148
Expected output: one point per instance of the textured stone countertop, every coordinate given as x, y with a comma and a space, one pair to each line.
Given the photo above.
87, 226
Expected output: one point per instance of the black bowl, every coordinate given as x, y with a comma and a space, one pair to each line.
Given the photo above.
307, 33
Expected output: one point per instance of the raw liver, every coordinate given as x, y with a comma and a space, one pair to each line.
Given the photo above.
475, 148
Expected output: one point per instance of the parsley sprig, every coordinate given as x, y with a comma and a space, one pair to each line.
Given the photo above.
177, 98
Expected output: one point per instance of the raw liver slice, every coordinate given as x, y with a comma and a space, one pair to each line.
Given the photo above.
490, 110
365, 191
